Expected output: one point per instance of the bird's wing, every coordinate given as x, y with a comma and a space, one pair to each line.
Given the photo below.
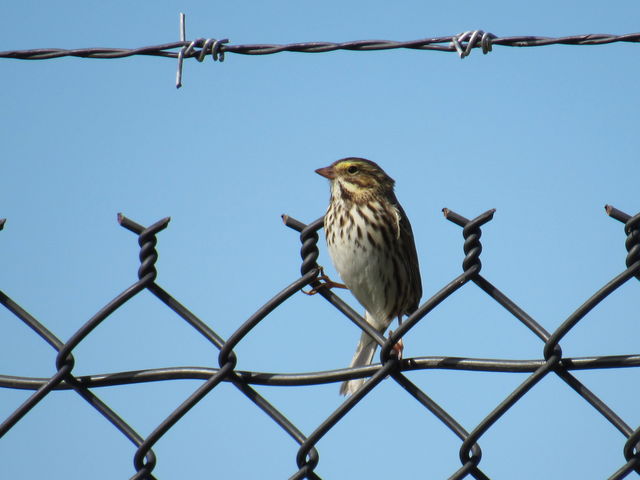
408, 244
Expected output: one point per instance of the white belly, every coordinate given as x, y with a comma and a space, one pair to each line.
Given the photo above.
365, 266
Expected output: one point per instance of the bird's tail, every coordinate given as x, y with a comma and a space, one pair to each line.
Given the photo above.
363, 356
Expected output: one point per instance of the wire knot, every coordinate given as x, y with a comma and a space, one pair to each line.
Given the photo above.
147, 241
472, 248
632, 229
148, 257
309, 251
471, 233
206, 45
632, 243
474, 38
632, 449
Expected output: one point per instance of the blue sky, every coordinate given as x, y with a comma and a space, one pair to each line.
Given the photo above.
547, 136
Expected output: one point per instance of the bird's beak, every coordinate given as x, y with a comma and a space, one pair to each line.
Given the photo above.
327, 172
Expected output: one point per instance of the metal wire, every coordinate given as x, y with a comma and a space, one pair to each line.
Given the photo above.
199, 48
307, 457
441, 44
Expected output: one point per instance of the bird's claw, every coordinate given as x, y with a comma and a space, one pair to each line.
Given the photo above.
398, 347
324, 282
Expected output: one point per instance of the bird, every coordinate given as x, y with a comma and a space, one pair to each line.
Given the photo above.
371, 245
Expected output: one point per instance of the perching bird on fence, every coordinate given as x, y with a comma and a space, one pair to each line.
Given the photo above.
371, 245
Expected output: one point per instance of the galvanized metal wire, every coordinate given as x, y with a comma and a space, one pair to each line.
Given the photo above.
202, 47
552, 361
462, 43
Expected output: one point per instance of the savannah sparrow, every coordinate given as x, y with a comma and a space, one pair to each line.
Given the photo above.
371, 245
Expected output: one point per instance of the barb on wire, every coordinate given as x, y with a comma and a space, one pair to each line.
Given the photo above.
474, 39
206, 45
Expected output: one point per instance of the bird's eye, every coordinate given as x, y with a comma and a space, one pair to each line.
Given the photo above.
352, 169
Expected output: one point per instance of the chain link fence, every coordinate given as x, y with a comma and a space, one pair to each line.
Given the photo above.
307, 456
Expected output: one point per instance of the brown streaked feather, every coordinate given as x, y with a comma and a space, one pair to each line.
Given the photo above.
410, 257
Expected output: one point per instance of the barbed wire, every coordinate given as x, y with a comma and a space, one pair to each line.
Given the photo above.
462, 43
441, 44
307, 457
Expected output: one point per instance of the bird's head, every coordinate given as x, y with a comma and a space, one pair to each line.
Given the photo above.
356, 178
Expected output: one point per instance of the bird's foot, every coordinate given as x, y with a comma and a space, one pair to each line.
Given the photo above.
398, 347
323, 281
